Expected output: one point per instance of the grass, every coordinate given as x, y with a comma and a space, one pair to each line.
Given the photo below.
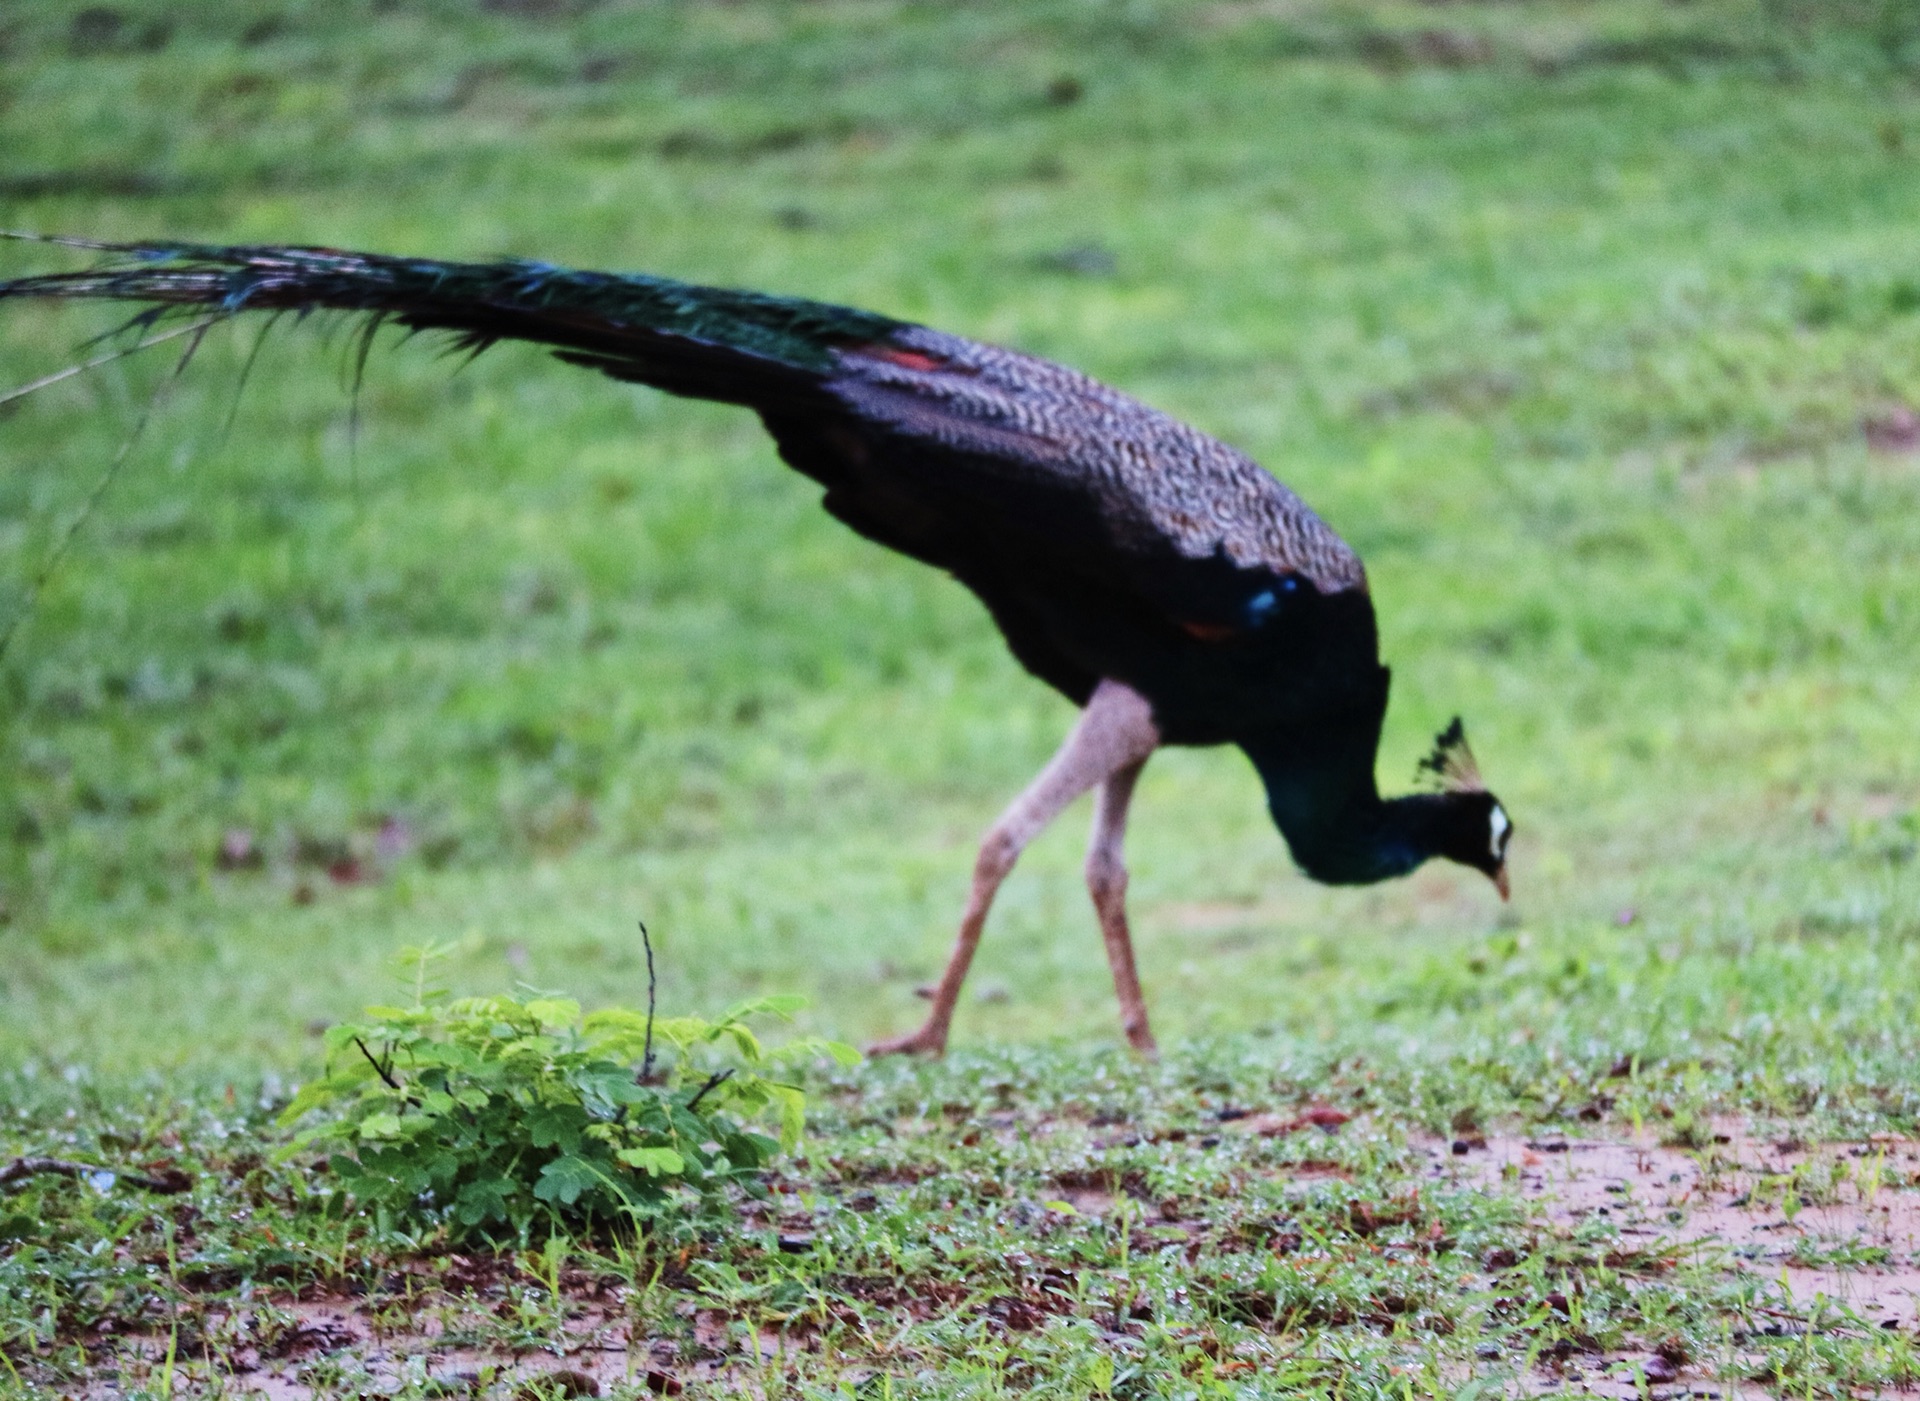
1577, 319
1038, 1221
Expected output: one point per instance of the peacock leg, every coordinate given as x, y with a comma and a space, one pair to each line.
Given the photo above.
1115, 732
1107, 883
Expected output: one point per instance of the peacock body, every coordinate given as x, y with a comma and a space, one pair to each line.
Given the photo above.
1156, 577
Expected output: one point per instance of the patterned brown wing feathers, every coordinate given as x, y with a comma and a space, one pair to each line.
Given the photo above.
1156, 483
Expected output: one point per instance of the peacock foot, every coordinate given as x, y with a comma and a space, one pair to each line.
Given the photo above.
927, 1041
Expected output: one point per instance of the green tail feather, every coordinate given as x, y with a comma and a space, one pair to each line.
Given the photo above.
511, 299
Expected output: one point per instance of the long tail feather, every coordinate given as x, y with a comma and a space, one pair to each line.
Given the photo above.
704, 341
121, 353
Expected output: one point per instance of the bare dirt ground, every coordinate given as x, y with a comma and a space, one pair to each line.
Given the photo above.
1835, 1224
1838, 1225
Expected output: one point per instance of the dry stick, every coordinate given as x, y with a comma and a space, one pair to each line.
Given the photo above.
107, 478
22, 1168
712, 1080
378, 1068
646, 1058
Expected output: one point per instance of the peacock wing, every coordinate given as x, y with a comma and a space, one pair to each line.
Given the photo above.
975, 448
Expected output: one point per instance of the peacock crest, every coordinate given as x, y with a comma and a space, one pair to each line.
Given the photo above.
1451, 765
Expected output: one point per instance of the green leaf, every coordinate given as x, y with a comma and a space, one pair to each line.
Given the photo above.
653, 1161
782, 1005
687, 1125
745, 1042
552, 1012
752, 1150
612, 1083
793, 1113
513, 1107
482, 1201
311, 1096
557, 1126
564, 1180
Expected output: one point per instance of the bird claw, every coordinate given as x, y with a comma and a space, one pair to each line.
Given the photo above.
922, 1042
1139, 1036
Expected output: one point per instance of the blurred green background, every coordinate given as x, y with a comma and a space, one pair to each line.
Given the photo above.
1591, 323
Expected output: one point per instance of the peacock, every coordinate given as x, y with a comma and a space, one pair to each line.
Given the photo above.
1160, 580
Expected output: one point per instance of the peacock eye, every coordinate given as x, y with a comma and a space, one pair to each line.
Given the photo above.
1501, 832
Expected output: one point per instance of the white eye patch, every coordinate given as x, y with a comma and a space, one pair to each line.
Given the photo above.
1497, 838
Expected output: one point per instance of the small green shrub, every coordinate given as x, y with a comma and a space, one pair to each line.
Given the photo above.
502, 1116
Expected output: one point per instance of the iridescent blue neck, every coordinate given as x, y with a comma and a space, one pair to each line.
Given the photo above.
1338, 827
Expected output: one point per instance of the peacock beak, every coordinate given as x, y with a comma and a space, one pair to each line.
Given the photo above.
1500, 882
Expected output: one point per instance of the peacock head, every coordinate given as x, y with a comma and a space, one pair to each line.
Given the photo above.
1476, 828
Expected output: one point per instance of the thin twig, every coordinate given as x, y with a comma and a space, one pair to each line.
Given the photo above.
712, 1080
47, 381
378, 1068
22, 1168
646, 1057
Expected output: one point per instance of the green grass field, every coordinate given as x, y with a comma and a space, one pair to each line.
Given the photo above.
1593, 324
